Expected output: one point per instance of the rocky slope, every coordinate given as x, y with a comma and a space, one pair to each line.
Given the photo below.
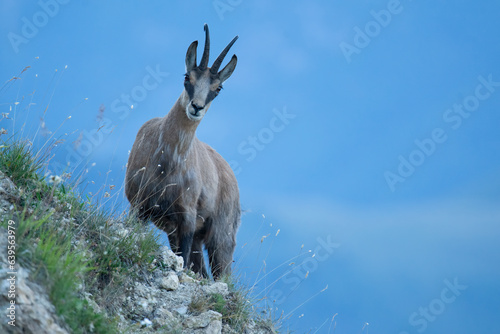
164, 298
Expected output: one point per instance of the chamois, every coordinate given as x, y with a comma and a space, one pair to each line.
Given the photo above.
182, 184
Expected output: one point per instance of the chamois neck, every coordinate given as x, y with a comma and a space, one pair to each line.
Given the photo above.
178, 130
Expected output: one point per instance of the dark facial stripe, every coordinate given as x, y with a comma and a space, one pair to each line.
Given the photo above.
189, 89
211, 95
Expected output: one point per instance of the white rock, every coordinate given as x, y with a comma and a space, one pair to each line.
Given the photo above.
217, 287
181, 310
185, 278
7, 187
37, 314
170, 282
171, 260
164, 317
203, 320
215, 327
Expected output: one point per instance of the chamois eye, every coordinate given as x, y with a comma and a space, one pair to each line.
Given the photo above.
219, 89
186, 78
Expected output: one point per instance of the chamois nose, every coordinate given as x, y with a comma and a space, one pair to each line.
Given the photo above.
196, 107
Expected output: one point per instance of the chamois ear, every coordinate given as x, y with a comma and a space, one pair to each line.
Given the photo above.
191, 56
228, 69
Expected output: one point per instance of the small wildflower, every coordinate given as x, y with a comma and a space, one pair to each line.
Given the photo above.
55, 179
106, 194
146, 323
3, 131
5, 115
111, 187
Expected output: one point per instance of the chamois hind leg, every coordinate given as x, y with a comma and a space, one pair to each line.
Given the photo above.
197, 262
220, 249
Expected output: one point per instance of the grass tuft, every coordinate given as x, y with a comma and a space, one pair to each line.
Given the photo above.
20, 162
60, 269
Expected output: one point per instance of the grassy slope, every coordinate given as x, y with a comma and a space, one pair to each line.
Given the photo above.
61, 237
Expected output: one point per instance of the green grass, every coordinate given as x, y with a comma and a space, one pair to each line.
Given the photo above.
20, 163
60, 269
118, 258
50, 246
237, 308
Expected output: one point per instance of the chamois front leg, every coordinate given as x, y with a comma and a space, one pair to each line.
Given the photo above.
173, 240
172, 231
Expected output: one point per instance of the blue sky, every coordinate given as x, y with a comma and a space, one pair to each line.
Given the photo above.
366, 131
